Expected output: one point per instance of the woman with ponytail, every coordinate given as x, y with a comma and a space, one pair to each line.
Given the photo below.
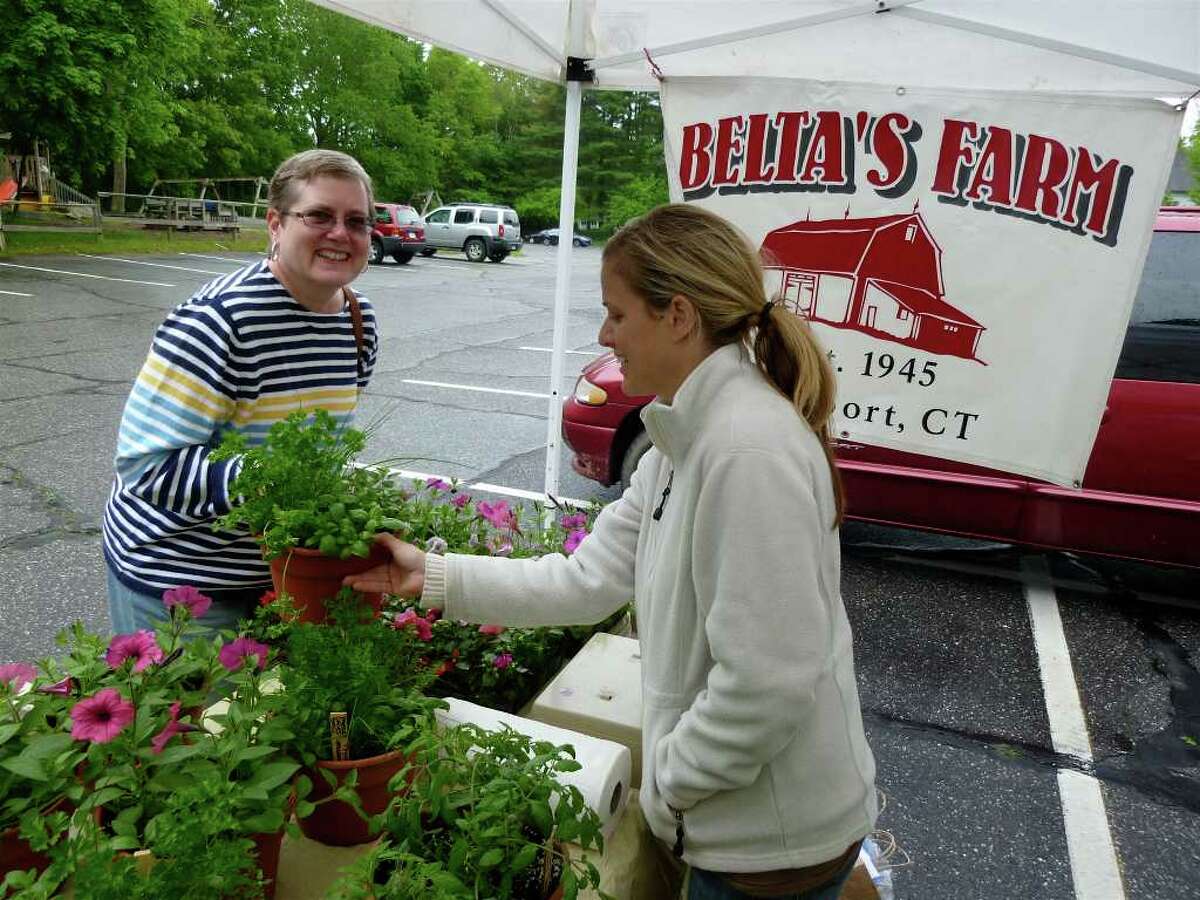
755, 770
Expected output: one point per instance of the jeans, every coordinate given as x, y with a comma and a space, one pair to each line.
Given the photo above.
130, 610
704, 885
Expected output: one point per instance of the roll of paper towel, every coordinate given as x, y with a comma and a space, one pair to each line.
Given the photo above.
603, 778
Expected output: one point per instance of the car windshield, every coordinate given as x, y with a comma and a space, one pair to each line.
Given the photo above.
407, 217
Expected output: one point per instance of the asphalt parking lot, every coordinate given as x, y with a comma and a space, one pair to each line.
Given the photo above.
1036, 718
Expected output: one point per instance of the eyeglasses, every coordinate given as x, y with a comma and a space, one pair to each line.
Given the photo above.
320, 220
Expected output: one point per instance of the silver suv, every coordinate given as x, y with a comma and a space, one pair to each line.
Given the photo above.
480, 230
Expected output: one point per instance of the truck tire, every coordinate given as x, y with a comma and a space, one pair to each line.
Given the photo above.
475, 249
633, 455
376, 256
429, 251
403, 257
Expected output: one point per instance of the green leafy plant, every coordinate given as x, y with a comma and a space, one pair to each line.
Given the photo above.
146, 775
485, 816
359, 665
299, 488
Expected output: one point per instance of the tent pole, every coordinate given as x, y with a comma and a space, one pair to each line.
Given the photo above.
562, 281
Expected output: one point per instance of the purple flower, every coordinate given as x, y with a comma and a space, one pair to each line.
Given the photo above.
187, 596
101, 717
497, 513
423, 626
173, 727
436, 545
62, 688
502, 660
498, 546
574, 520
235, 654
460, 500
140, 646
16, 675
574, 539
437, 484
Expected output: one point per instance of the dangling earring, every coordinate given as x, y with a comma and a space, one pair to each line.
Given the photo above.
272, 250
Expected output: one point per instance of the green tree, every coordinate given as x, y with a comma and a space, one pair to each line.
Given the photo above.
88, 77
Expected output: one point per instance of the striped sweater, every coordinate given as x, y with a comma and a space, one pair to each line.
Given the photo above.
241, 353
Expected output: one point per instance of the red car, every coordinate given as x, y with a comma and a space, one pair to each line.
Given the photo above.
1140, 497
399, 232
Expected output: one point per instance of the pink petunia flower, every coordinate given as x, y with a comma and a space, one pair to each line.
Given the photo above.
497, 513
101, 717
235, 654
173, 727
460, 500
140, 646
16, 675
491, 629
574, 539
498, 546
189, 597
422, 626
574, 520
433, 614
62, 688
502, 660
437, 484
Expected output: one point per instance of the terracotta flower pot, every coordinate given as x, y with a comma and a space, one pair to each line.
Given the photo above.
336, 823
266, 852
15, 853
311, 578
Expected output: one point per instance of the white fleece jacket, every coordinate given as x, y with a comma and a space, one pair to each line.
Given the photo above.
751, 723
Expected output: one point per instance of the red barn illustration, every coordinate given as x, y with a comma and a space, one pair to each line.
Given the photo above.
881, 276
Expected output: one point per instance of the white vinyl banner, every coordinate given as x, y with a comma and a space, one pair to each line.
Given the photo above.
968, 259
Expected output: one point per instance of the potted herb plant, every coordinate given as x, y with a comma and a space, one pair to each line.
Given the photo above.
366, 678
313, 511
485, 816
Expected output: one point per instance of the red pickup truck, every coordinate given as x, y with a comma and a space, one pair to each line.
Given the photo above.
1140, 497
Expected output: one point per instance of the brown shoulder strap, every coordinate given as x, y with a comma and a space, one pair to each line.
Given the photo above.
356, 323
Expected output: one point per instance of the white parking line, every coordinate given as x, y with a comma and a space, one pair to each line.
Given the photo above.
217, 258
1094, 867
494, 489
472, 387
15, 294
86, 275
138, 262
576, 352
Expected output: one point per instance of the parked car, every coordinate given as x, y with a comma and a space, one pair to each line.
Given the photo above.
398, 233
550, 236
480, 230
1140, 497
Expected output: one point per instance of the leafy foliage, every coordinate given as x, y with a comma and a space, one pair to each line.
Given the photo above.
298, 488
156, 780
483, 817
359, 665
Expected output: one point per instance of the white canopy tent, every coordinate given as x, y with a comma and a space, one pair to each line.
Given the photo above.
1128, 48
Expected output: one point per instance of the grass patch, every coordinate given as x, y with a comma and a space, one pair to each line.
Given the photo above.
125, 239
